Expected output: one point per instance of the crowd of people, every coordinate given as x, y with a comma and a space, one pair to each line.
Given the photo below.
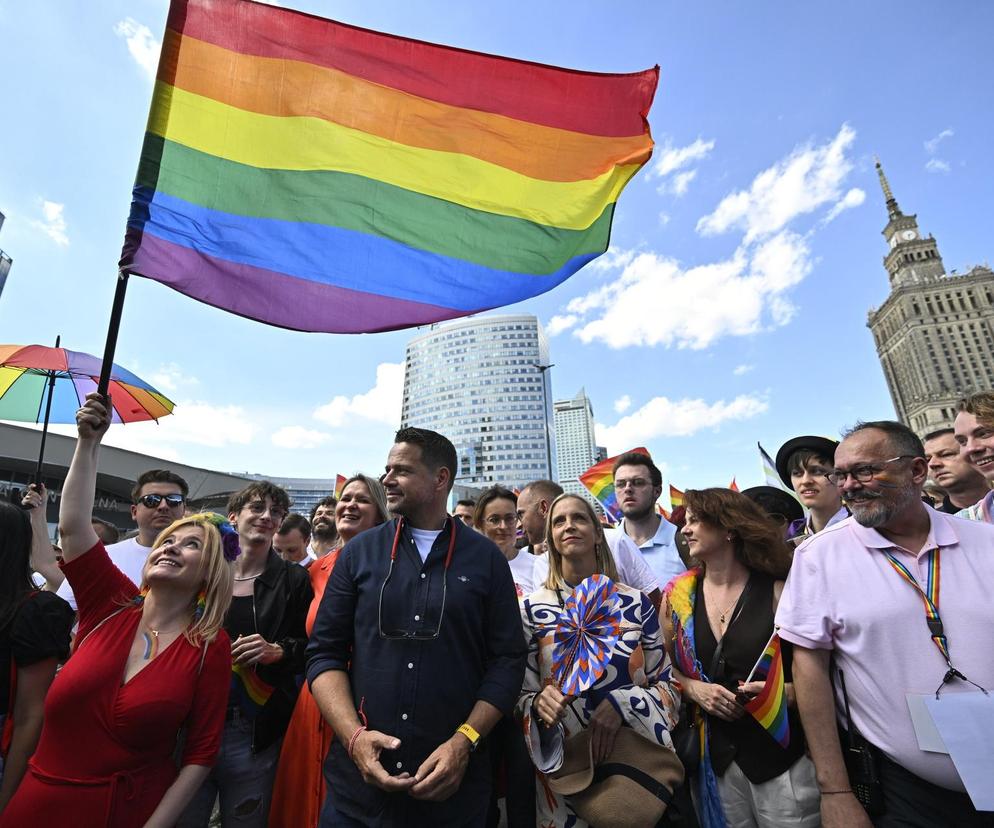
382, 662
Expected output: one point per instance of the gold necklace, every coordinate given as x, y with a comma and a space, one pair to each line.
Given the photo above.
728, 609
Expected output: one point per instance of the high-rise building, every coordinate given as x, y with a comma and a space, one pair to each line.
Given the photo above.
484, 383
5, 263
576, 446
935, 331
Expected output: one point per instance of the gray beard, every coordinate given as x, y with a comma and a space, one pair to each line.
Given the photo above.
876, 519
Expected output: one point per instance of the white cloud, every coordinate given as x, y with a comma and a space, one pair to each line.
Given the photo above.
673, 158
808, 178
673, 163
381, 403
664, 219
662, 417
142, 45
611, 259
298, 437
854, 198
196, 423
740, 370
937, 165
932, 144
53, 222
655, 301
170, 378
563, 322
622, 404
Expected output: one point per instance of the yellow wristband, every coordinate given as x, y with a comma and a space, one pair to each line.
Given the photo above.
470, 733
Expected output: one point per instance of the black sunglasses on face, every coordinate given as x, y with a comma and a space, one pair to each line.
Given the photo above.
152, 501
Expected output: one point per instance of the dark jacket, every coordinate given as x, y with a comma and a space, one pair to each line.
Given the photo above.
282, 596
418, 690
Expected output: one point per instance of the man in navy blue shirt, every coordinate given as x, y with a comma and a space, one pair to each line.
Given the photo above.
416, 653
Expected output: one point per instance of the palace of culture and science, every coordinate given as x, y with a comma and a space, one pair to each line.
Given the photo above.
935, 331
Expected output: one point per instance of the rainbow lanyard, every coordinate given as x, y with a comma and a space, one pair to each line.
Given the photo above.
930, 597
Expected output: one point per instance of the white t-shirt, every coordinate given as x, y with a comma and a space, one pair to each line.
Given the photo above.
129, 556
632, 567
424, 539
523, 572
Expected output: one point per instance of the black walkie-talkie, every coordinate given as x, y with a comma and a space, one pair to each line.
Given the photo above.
861, 762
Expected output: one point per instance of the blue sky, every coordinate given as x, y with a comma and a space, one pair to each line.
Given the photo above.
732, 307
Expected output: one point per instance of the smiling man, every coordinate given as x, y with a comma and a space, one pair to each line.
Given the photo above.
974, 430
158, 498
416, 653
324, 530
855, 599
950, 470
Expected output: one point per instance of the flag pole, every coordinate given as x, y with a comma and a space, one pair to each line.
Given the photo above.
112, 328
755, 666
48, 412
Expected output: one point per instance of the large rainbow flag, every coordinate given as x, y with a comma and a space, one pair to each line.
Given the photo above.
322, 177
769, 707
599, 481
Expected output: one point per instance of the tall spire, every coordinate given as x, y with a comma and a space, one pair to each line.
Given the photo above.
892, 209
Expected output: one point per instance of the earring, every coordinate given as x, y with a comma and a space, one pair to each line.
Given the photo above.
201, 604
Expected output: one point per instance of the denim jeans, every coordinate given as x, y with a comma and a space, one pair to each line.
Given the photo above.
240, 779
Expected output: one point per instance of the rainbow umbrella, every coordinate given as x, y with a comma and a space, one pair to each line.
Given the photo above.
39, 384
584, 638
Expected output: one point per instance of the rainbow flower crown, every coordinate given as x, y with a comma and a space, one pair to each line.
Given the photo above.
229, 537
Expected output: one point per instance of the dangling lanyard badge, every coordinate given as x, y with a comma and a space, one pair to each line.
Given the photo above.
930, 598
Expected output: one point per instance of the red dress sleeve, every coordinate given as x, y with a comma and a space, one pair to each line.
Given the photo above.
100, 587
205, 726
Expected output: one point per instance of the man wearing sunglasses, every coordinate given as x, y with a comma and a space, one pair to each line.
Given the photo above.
157, 499
863, 607
415, 654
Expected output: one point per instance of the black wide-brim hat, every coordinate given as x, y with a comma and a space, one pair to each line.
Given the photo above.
819, 445
782, 503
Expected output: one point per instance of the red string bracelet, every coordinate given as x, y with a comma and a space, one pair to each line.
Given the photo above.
360, 729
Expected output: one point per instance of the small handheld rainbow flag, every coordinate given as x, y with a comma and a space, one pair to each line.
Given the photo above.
769, 707
339, 485
599, 481
733, 485
676, 497
248, 690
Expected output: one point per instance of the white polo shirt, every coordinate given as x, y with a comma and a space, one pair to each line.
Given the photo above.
659, 552
128, 555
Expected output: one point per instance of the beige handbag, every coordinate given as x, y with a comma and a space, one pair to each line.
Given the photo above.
631, 789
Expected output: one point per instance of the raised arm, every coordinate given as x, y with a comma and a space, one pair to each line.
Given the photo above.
42, 553
76, 508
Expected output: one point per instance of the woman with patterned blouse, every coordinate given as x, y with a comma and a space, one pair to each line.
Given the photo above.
634, 691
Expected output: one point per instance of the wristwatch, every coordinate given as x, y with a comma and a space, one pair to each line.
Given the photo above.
467, 730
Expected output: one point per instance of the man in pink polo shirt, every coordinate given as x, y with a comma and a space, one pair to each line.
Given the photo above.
846, 598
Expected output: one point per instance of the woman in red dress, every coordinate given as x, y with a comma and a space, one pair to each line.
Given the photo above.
298, 793
148, 665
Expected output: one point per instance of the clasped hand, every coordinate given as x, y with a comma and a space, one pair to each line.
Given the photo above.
436, 780
254, 649
716, 700
550, 706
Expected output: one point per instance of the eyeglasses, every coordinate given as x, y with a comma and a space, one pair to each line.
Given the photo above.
258, 508
501, 520
152, 501
415, 635
865, 473
637, 483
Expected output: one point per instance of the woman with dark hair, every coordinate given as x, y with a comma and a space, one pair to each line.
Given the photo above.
634, 691
720, 620
299, 790
495, 516
150, 660
34, 638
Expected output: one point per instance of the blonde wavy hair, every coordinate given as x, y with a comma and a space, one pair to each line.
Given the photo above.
218, 579
604, 560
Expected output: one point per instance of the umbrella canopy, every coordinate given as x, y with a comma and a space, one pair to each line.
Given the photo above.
585, 635
25, 371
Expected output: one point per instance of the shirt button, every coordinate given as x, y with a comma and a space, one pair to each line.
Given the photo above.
404, 716
410, 665
422, 575
417, 617
400, 765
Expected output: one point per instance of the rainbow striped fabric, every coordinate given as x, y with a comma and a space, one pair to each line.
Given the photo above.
769, 707
599, 481
322, 177
248, 691
676, 497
